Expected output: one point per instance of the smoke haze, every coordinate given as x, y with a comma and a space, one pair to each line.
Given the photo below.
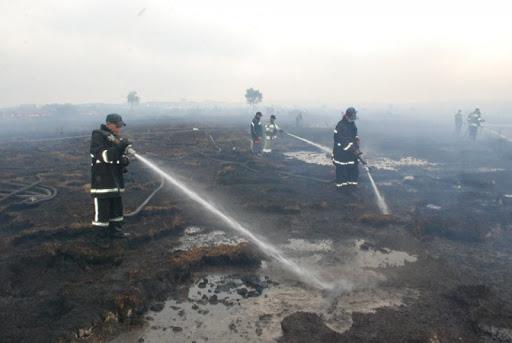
327, 53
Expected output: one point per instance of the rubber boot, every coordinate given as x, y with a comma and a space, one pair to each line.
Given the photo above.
116, 230
101, 239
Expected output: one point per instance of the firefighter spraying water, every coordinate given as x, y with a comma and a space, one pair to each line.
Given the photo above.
109, 160
308, 276
346, 156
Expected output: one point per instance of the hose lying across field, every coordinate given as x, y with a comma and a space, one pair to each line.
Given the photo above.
35, 193
215, 160
243, 165
138, 209
34, 196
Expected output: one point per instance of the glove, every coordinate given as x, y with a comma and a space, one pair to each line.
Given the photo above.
123, 144
111, 138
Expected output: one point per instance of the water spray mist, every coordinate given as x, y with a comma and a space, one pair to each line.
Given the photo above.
321, 147
380, 200
499, 134
308, 276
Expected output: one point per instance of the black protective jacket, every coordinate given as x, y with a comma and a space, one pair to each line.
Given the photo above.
256, 129
346, 142
107, 164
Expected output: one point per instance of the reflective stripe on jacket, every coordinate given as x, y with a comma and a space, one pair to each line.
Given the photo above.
106, 170
345, 143
256, 129
271, 130
474, 119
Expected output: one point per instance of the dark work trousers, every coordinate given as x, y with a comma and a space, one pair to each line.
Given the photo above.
108, 214
472, 132
347, 175
256, 147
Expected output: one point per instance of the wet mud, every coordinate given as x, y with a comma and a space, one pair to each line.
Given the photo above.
436, 269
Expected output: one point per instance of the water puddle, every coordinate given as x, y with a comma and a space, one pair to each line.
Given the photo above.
307, 246
389, 164
222, 308
358, 253
386, 183
433, 207
380, 162
369, 256
310, 157
488, 170
307, 275
234, 305
198, 237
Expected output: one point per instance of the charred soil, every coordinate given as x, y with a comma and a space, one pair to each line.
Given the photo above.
456, 218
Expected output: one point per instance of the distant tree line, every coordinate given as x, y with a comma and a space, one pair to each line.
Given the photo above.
253, 97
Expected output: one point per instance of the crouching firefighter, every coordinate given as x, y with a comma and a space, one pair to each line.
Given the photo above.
346, 154
109, 158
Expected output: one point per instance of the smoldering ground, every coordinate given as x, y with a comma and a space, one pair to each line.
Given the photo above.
445, 250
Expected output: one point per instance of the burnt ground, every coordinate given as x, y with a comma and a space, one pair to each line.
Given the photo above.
455, 216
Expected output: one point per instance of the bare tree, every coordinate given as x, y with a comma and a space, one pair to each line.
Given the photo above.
253, 96
133, 98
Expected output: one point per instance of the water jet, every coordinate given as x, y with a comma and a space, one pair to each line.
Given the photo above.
308, 276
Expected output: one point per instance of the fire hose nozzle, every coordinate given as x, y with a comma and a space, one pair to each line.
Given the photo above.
130, 151
365, 164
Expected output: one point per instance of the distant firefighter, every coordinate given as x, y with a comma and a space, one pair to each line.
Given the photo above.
345, 155
109, 158
458, 122
256, 134
298, 120
474, 120
271, 130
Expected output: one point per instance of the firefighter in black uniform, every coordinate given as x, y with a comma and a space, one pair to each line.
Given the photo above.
345, 155
256, 134
109, 158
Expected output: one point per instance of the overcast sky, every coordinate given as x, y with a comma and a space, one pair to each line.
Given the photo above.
321, 52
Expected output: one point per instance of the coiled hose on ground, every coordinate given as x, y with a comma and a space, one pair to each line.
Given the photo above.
43, 193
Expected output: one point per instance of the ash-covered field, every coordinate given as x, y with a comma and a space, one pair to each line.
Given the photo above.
436, 269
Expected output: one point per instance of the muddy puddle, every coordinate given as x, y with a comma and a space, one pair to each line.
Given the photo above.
376, 162
199, 237
390, 164
233, 305
310, 157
